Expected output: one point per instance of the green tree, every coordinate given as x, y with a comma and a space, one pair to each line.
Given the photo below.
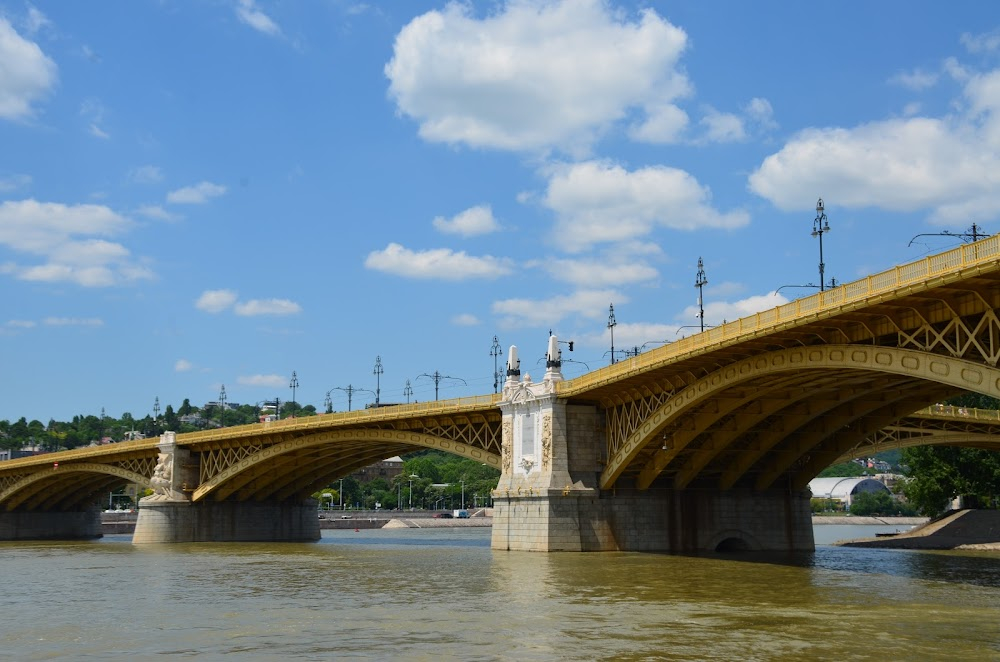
938, 474
849, 469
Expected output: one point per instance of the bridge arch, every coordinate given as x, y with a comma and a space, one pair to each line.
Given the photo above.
896, 378
30, 488
346, 450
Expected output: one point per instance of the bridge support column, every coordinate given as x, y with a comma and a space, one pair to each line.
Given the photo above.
169, 515
78, 525
226, 521
546, 499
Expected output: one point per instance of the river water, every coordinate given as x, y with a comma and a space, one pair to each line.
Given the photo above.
442, 594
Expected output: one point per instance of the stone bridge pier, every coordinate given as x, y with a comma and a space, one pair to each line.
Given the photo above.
170, 516
548, 498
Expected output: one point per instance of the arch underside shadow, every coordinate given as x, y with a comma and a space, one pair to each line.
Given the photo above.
295, 468
780, 418
70, 487
898, 440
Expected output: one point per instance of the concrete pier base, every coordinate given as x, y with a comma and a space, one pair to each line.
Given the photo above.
79, 525
653, 521
162, 521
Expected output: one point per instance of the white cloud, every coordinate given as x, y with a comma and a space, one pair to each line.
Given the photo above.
981, 43
26, 76
147, 174
600, 271
195, 195
157, 212
722, 127
537, 75
13, 182
599, 202
760, 113
64, 236
183, 365
590, 304
717, 312
215, 301
21, 324
949, 166
473, 221
267, 307
93, 110
439, 264
628, 336
916, 80
249, 14
663, 125
273, 381
465, 319
73, 321
36, 20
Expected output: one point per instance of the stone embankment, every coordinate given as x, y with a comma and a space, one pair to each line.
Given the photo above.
960, 529
854, 520
123, 522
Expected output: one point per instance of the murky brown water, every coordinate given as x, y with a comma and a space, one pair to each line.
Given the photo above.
443, 594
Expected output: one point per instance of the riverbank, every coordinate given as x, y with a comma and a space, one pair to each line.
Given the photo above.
852, 520
961, 529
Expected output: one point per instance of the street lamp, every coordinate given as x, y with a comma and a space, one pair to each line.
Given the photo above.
412, 476
407, 391
294, 384
820, 225
378, 374
156, 413
495, 352
700, 281
611, 325
437, 377
341, 493
222, 407
350, 390
463, 494
328, 403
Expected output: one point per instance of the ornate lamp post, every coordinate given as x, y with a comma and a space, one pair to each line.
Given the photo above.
496, 352
437, 377
294, 384
222, 407
378, 375
820, 225
611, 325
407, 391
700, 281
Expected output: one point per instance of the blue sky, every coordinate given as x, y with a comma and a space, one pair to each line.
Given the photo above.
220, 193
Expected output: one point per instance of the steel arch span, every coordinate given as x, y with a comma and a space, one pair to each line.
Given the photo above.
299, 466
67, 487
786, 414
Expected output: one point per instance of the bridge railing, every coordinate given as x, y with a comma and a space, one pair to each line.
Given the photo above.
432, 408
968, 255
951, 411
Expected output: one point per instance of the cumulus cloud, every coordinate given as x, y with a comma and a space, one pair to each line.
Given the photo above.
195, 195
916, 80
215, 301
157, 212
256, 307
248, 13
73, 321
273, 381
591, 304
532, 76
599, 202
949, 165
27, 74
600, 271
473, 221
717, 312
981, 43
465, 319
663, 125
10, 183
64, 236
183, 365
436, 264
631, 335
147, 174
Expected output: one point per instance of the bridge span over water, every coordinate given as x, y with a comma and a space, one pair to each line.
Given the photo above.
707, 442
